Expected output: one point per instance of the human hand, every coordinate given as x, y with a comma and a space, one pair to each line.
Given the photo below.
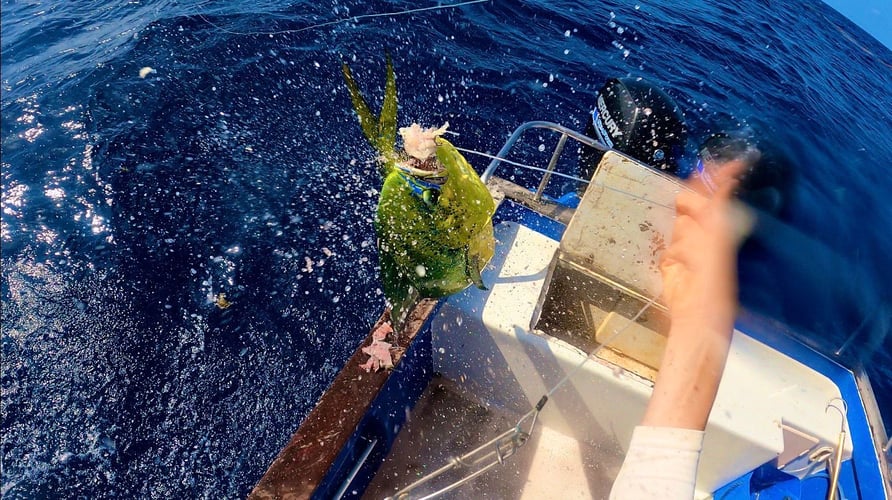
699, 267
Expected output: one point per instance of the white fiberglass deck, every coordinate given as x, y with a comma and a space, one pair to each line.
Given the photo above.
446, 423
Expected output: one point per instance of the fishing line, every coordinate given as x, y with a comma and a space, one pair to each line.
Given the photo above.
566, 176
523, 165
344, 20
567, 376
607, 342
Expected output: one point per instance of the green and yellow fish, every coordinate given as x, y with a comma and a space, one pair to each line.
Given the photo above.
434, 218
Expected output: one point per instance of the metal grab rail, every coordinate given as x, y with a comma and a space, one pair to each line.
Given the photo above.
554, 127
477, 462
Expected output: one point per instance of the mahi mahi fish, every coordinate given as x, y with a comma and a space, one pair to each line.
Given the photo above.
434, 216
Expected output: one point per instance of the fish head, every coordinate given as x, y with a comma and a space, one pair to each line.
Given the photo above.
425, 178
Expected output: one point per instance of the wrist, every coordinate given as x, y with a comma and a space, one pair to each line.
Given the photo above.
703, 324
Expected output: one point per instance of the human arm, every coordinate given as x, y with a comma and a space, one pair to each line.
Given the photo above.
699, 270
700, 287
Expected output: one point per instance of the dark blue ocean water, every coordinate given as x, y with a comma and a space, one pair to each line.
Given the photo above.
237, 167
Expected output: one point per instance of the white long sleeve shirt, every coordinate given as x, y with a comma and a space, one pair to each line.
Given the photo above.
661, 464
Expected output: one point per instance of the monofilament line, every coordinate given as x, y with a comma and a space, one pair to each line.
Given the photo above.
534, 413
517, 164
346, 19
600, 184
604, 344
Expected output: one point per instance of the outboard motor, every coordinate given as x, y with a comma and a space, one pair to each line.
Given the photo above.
635, 117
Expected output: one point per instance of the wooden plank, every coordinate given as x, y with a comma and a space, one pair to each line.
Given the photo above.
302, 465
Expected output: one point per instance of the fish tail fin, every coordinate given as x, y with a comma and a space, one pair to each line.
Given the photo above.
366, 120
387, 120
379, 131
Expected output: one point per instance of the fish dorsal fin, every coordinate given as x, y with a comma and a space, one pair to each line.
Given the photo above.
380, 131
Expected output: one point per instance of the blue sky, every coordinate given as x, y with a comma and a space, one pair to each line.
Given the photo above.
873, 16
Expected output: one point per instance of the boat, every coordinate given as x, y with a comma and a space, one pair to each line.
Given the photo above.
532, 387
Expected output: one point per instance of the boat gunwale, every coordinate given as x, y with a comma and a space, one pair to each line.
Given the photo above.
306, 460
